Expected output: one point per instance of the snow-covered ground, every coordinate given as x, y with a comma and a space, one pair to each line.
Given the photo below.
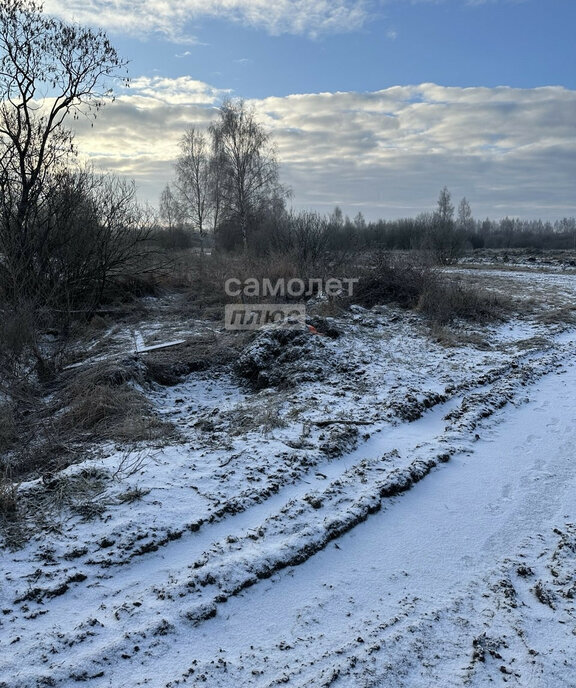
394, 510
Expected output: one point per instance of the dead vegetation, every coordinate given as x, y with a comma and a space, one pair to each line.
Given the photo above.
413, 284
8, 494
103, 402
562, 315
56, 427
49, 422
263, 414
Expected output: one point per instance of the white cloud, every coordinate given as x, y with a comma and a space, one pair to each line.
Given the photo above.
143, 17
306, 17
174, 91
387, 153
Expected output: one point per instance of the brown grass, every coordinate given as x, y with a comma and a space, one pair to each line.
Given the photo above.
557, 316
110, 412
413, 284
103, 402
444, 301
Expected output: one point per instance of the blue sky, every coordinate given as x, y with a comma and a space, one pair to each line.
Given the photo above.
374, 105
454, 43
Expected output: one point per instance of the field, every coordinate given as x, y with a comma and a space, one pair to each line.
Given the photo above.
373, 502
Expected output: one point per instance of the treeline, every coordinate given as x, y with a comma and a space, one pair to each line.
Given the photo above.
506, 233
402, 234
272, 228
226, 193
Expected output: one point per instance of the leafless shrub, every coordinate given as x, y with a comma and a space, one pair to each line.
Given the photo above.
415, 284
8, 429
444, 300
393, 278
8, 493
131, 462
19, 349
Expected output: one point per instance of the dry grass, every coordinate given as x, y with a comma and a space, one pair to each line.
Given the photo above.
110, 412
104, 402
444, 301
456, 337
205, 295
328, 307
99, 408
44, 505
558, 316
169, 366
261, 415
413, 284
134, 494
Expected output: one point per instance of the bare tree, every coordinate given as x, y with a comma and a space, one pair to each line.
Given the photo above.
95, 232
170, 208
49, 71
465, 221
442, 239
445, 210
360, 221
247, 165
194, 170
309, 232
336, 218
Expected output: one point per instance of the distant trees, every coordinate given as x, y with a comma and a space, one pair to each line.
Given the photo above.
229, 179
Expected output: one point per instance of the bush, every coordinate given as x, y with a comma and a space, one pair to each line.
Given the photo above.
415, 285
444, 301
8, 494
394, 279
8, 430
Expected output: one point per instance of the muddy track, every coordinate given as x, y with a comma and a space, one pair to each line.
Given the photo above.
190, 589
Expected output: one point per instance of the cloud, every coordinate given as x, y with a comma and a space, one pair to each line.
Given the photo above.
312, 18
174, 91
387, 153
144, 17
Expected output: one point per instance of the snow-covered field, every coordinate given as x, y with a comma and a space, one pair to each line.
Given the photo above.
380, 507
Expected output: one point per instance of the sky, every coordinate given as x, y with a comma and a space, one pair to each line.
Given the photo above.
373, 105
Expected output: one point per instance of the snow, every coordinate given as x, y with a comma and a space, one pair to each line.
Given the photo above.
429, 549
399, 513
